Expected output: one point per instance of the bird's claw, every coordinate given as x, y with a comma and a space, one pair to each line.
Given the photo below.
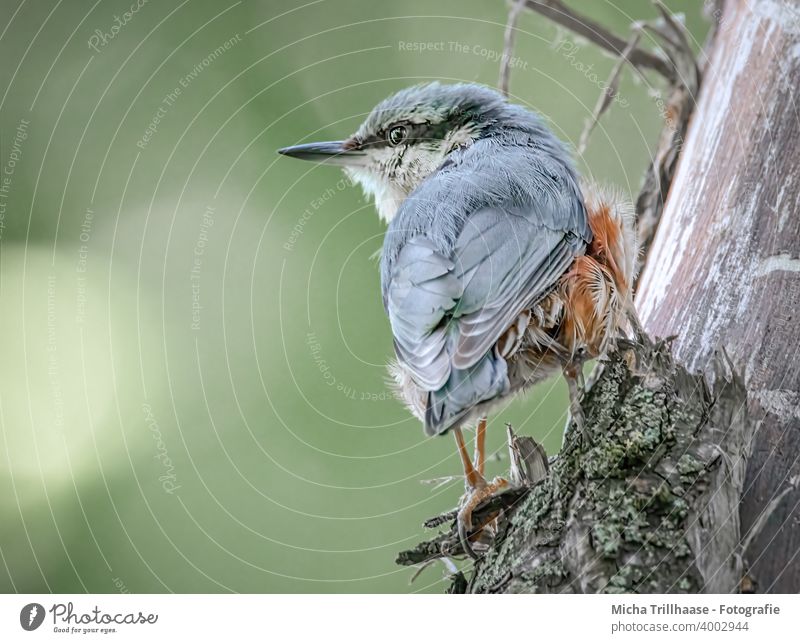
469, 503
579, 419
577, 389
464, 522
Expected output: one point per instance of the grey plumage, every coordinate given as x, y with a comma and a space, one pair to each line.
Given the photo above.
485, 216
477, 242
481, 269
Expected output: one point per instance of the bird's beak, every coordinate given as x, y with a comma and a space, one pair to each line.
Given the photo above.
331, 152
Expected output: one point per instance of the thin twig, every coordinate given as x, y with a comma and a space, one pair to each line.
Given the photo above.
440, 482
682, 56
679, 29
508, 45
681, 70
449, 565
559, 13
676, 111
436, 521
607, 96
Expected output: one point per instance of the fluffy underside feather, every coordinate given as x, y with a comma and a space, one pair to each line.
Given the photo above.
583, 310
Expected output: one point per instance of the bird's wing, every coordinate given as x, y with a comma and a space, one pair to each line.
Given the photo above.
507, 263
448, 312
423, 291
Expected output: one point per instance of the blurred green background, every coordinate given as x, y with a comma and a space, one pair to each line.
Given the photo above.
192, 381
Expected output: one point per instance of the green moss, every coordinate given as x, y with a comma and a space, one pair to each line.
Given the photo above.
688, 465
636, 517
546, 575
620, 520
624, 580
604, 459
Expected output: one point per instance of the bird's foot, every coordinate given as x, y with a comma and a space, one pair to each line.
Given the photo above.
575, 382
640, 336
579, 419
471, 500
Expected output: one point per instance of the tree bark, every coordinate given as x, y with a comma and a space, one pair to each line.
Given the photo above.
648, 504
689, 481
724, 268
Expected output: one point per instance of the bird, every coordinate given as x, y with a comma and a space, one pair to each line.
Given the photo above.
500, 266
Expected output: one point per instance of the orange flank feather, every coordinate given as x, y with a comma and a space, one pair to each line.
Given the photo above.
581, 317
588, 309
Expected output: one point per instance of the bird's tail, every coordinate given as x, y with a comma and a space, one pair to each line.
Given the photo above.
464, 390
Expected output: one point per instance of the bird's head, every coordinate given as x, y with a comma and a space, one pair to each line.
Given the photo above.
407, 136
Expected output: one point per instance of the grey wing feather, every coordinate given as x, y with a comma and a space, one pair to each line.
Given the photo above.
422, 291
448, 312
520, 262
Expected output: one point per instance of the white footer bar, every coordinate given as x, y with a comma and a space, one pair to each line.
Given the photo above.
388, 618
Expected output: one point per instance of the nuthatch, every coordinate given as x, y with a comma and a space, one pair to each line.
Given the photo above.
498, 268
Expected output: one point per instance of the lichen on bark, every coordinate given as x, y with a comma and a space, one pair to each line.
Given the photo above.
647, 502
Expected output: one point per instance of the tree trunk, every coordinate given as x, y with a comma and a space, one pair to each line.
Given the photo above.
724, 268
679, 488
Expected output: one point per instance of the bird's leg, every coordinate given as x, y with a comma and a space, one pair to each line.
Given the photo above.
639, 333
573, 373
473, 479
477, 488
479, 459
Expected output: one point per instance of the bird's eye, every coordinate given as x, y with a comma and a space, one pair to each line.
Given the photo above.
396, 135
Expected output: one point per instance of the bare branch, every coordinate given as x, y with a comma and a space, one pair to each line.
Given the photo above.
676, 112
680, 69
605, 99
559, 13
508, 45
